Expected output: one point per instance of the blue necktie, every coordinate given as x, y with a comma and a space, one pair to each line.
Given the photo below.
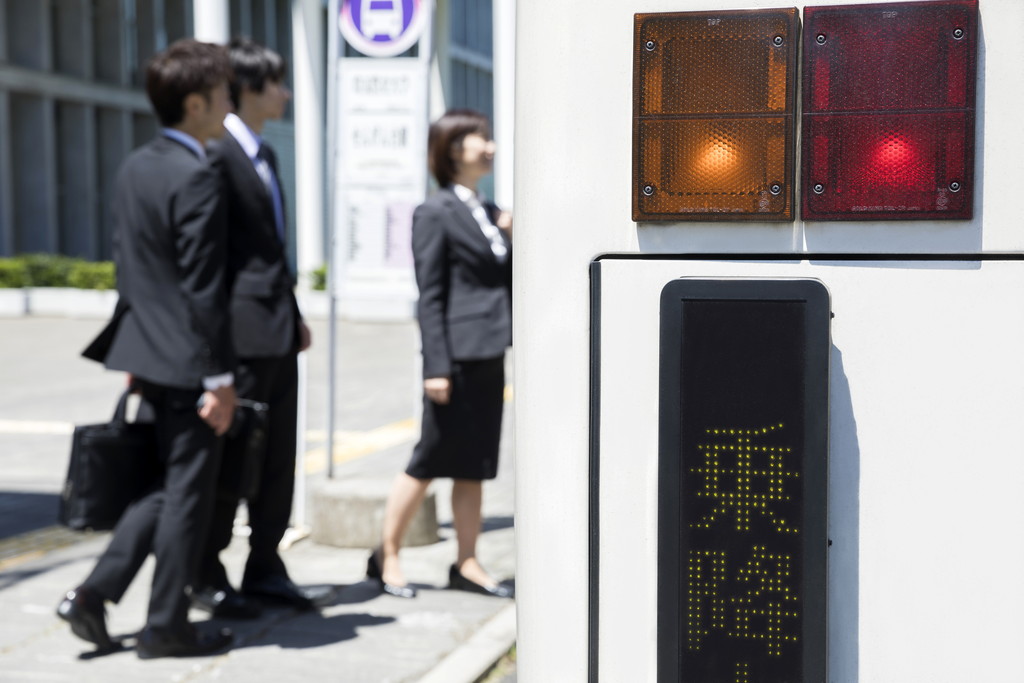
269, 175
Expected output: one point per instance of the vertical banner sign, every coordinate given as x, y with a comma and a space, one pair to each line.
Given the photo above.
743, 473
381, 149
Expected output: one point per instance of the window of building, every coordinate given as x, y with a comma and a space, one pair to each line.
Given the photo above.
72, 107
471, 68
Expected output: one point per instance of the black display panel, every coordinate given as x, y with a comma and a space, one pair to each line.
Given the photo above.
743, 472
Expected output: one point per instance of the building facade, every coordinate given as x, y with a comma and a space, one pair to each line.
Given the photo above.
72, 104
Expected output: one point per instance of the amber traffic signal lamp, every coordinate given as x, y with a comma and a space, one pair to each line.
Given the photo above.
714, 101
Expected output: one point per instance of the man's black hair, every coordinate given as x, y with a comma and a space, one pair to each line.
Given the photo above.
187, 66
253, 65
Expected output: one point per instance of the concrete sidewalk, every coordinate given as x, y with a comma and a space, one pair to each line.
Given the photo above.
357, 635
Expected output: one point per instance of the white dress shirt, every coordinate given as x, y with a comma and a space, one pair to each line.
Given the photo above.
489, 229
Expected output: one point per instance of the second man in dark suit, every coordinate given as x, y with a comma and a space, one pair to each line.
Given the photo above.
268, 333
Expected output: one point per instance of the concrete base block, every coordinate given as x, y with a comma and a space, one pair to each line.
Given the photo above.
349, 513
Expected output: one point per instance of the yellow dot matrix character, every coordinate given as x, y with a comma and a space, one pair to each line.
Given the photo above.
706, 572
737, 503
768, 597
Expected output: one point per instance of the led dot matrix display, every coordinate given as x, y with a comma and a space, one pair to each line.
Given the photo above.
714, 96
742, 481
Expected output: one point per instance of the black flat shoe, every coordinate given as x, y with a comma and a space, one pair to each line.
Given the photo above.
278, 589
375, 573
456, 581
83, 610
154, 643
224, 603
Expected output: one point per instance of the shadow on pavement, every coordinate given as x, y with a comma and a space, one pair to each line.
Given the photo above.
284, 628
489, 524
11, 577
23, 512
311, 629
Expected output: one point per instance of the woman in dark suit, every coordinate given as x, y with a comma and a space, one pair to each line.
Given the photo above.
463, 256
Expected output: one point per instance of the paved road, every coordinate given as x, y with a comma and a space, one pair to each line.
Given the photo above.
358, 635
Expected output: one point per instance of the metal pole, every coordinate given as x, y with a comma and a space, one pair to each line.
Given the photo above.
211, 21
307, 74
332, 259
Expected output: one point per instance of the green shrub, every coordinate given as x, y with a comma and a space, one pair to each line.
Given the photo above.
54, 270
47, 270
92, 275
13, 273
319, 278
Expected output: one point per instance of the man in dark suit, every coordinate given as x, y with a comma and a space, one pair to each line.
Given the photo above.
268, 332
170, 333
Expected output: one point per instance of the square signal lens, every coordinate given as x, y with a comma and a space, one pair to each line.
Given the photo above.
888, 118
713, 115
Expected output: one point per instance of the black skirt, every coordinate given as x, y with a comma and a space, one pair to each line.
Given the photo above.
460, 440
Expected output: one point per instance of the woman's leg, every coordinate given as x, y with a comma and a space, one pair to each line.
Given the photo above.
467, 501
406, 496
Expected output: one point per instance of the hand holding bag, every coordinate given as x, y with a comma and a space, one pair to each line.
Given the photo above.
245, 450
112, 464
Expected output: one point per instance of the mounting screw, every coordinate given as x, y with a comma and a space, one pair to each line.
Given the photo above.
648, 190
820, 39
954, 186
818, 188
775, 188
958, 33
650, 45
778, 40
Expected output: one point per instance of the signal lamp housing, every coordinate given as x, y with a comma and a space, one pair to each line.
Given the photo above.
888, 111
714, 101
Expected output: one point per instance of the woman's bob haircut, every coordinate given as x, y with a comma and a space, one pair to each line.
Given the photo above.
445, 140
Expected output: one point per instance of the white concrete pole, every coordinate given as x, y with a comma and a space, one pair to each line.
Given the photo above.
308, 79
308, 76
211, 21
504, 21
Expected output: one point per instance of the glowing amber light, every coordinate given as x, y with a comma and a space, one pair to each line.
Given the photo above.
717, 159
713, 108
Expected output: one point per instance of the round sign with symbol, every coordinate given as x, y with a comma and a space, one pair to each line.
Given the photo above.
382, 28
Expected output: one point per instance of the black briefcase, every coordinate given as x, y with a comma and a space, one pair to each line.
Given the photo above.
112, 464
245, 451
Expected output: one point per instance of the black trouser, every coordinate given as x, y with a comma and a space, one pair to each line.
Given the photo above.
273, 381
171, 521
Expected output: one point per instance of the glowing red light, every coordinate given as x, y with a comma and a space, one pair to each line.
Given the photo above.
897, 161
888, 118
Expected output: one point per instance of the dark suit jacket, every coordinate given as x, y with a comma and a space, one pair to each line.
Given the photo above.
465, 304
170, 326
264, 312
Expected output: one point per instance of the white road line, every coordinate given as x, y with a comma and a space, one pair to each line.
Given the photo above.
36, 427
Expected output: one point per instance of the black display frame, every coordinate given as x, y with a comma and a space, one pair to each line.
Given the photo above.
816, 343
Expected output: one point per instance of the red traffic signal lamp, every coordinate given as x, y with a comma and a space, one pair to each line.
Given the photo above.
888, 111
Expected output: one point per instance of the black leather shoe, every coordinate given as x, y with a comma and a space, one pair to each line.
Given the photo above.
457, 581
154, 642
83, 609
375, 573
224, 603
279, 589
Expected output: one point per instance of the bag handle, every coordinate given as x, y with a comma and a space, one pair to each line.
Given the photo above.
120, 412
